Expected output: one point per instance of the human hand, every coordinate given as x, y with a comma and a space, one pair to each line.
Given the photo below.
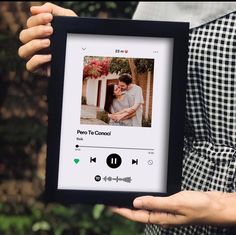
186, 207
36, 37
113, 117
110, 115
116, 117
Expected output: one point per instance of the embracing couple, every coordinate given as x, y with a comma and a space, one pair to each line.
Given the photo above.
124, 102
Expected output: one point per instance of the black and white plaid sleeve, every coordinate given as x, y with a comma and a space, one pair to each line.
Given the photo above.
210, 132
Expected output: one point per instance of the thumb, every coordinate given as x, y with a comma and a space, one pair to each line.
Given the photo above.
53, 9
165, 204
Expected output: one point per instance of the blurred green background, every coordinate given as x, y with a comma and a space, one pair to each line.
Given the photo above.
23, 128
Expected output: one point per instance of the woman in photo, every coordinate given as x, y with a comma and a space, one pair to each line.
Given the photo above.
117, 105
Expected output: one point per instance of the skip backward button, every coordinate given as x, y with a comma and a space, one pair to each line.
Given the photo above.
93, 159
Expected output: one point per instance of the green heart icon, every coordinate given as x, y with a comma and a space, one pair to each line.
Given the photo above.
76, 160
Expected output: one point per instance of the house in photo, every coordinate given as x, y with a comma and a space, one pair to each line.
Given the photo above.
94, 90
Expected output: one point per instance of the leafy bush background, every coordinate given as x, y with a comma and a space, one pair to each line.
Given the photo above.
23, 127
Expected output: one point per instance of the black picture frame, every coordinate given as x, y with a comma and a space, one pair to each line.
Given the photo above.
179, 31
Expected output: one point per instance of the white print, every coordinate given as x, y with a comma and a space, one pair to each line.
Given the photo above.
99, 140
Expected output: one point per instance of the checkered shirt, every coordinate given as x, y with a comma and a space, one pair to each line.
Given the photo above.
210, 131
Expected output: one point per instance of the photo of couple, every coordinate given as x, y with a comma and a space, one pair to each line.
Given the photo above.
112, 96
124, 102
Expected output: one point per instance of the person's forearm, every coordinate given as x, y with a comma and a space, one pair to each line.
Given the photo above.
228, 200
128, 116
220, 209
128, 113
124, 111
123, 114
185, 208
132, 109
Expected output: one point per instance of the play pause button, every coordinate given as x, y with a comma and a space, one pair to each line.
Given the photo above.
114, 160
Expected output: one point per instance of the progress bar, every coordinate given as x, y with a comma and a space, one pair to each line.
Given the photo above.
105, 147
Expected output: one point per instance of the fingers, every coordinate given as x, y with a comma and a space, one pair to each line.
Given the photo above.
39, 19
40, 31
141, 216
35, 37
36, 61
166, 204
53, 9
33, 46
152, 217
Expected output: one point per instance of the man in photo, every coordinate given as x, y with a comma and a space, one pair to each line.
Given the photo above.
135, 112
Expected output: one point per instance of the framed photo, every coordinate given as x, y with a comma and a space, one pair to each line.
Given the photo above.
116, 109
